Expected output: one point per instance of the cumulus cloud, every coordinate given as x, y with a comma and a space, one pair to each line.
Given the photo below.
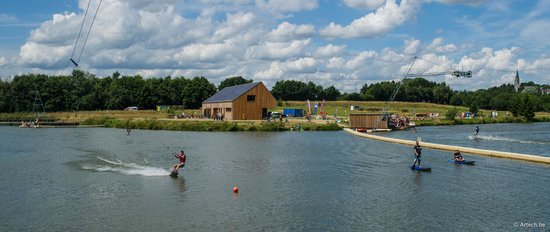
377, 23
287, 32
335, 63
3, 61
279, 50
411, 46
467, 2
360, 59
487, 58
235, 23
279, 69
329, 50
239, 38
282, 6
368, 4
437, 46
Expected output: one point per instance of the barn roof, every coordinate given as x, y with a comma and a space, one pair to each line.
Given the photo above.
231, 93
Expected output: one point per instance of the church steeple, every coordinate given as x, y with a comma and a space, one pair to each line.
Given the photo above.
516, 82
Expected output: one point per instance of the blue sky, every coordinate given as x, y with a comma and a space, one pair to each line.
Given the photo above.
330, 42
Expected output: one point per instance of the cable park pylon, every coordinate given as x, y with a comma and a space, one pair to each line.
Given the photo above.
407, 74
76, 59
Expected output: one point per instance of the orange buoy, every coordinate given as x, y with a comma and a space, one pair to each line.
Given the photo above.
235, 189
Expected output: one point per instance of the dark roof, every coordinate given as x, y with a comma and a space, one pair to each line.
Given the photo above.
231, 93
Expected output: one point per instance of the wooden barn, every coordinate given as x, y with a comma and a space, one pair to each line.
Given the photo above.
240, 102
367, 121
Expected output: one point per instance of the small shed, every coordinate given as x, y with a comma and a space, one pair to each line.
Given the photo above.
240, 102
368, 121
293, 112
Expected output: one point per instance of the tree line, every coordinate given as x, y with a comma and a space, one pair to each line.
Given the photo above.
85, 91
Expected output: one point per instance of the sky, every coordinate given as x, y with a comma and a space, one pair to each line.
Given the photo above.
341, 43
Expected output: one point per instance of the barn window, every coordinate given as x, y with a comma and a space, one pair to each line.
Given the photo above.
227, 109
251, 98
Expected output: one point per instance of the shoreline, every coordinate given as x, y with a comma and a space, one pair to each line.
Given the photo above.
153, 120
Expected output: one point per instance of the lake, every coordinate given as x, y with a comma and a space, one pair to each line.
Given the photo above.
98, 179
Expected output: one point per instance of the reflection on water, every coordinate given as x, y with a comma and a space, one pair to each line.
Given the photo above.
104, 180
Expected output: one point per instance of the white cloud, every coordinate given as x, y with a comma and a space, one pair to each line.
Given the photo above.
368, 4
336, 63
377, 23
329, 50
235, 23
437, 46
467, 2
3, 61
223, 38
360, 59
43, 56
411, 46
281, 6
287, 32
302, 65
279, 69
279, 50
210, 53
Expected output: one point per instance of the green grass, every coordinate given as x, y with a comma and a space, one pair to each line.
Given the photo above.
190, 125
149, 119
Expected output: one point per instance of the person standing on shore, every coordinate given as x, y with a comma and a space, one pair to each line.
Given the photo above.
417, 153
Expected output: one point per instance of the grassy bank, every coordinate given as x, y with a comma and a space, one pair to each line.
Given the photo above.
205, 125
150, 119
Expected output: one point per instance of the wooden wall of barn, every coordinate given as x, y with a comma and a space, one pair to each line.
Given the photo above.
246, 110
367, 121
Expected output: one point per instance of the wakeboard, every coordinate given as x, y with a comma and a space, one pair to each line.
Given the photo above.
421, 168
465, 162
174, 174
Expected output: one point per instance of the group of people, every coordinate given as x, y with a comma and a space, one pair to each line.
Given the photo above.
457, 156
219, 117
35, 123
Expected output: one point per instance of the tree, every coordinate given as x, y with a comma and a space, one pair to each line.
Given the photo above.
451, 113
352, 97
196, 91
502, 101
442, 93
331, 93
474, 109
232, 81
523, 105
291, 90
527, 108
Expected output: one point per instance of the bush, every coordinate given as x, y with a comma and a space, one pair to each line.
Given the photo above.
451, 114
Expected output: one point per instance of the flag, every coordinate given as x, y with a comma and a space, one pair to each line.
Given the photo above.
321, 109
308, 107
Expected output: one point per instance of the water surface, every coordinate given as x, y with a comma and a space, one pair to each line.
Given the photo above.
102, 180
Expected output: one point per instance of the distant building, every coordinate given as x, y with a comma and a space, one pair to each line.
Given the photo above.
517, 84
240, 102
544, 91
530, 89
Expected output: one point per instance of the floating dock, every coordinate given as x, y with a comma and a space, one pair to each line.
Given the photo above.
491, 153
